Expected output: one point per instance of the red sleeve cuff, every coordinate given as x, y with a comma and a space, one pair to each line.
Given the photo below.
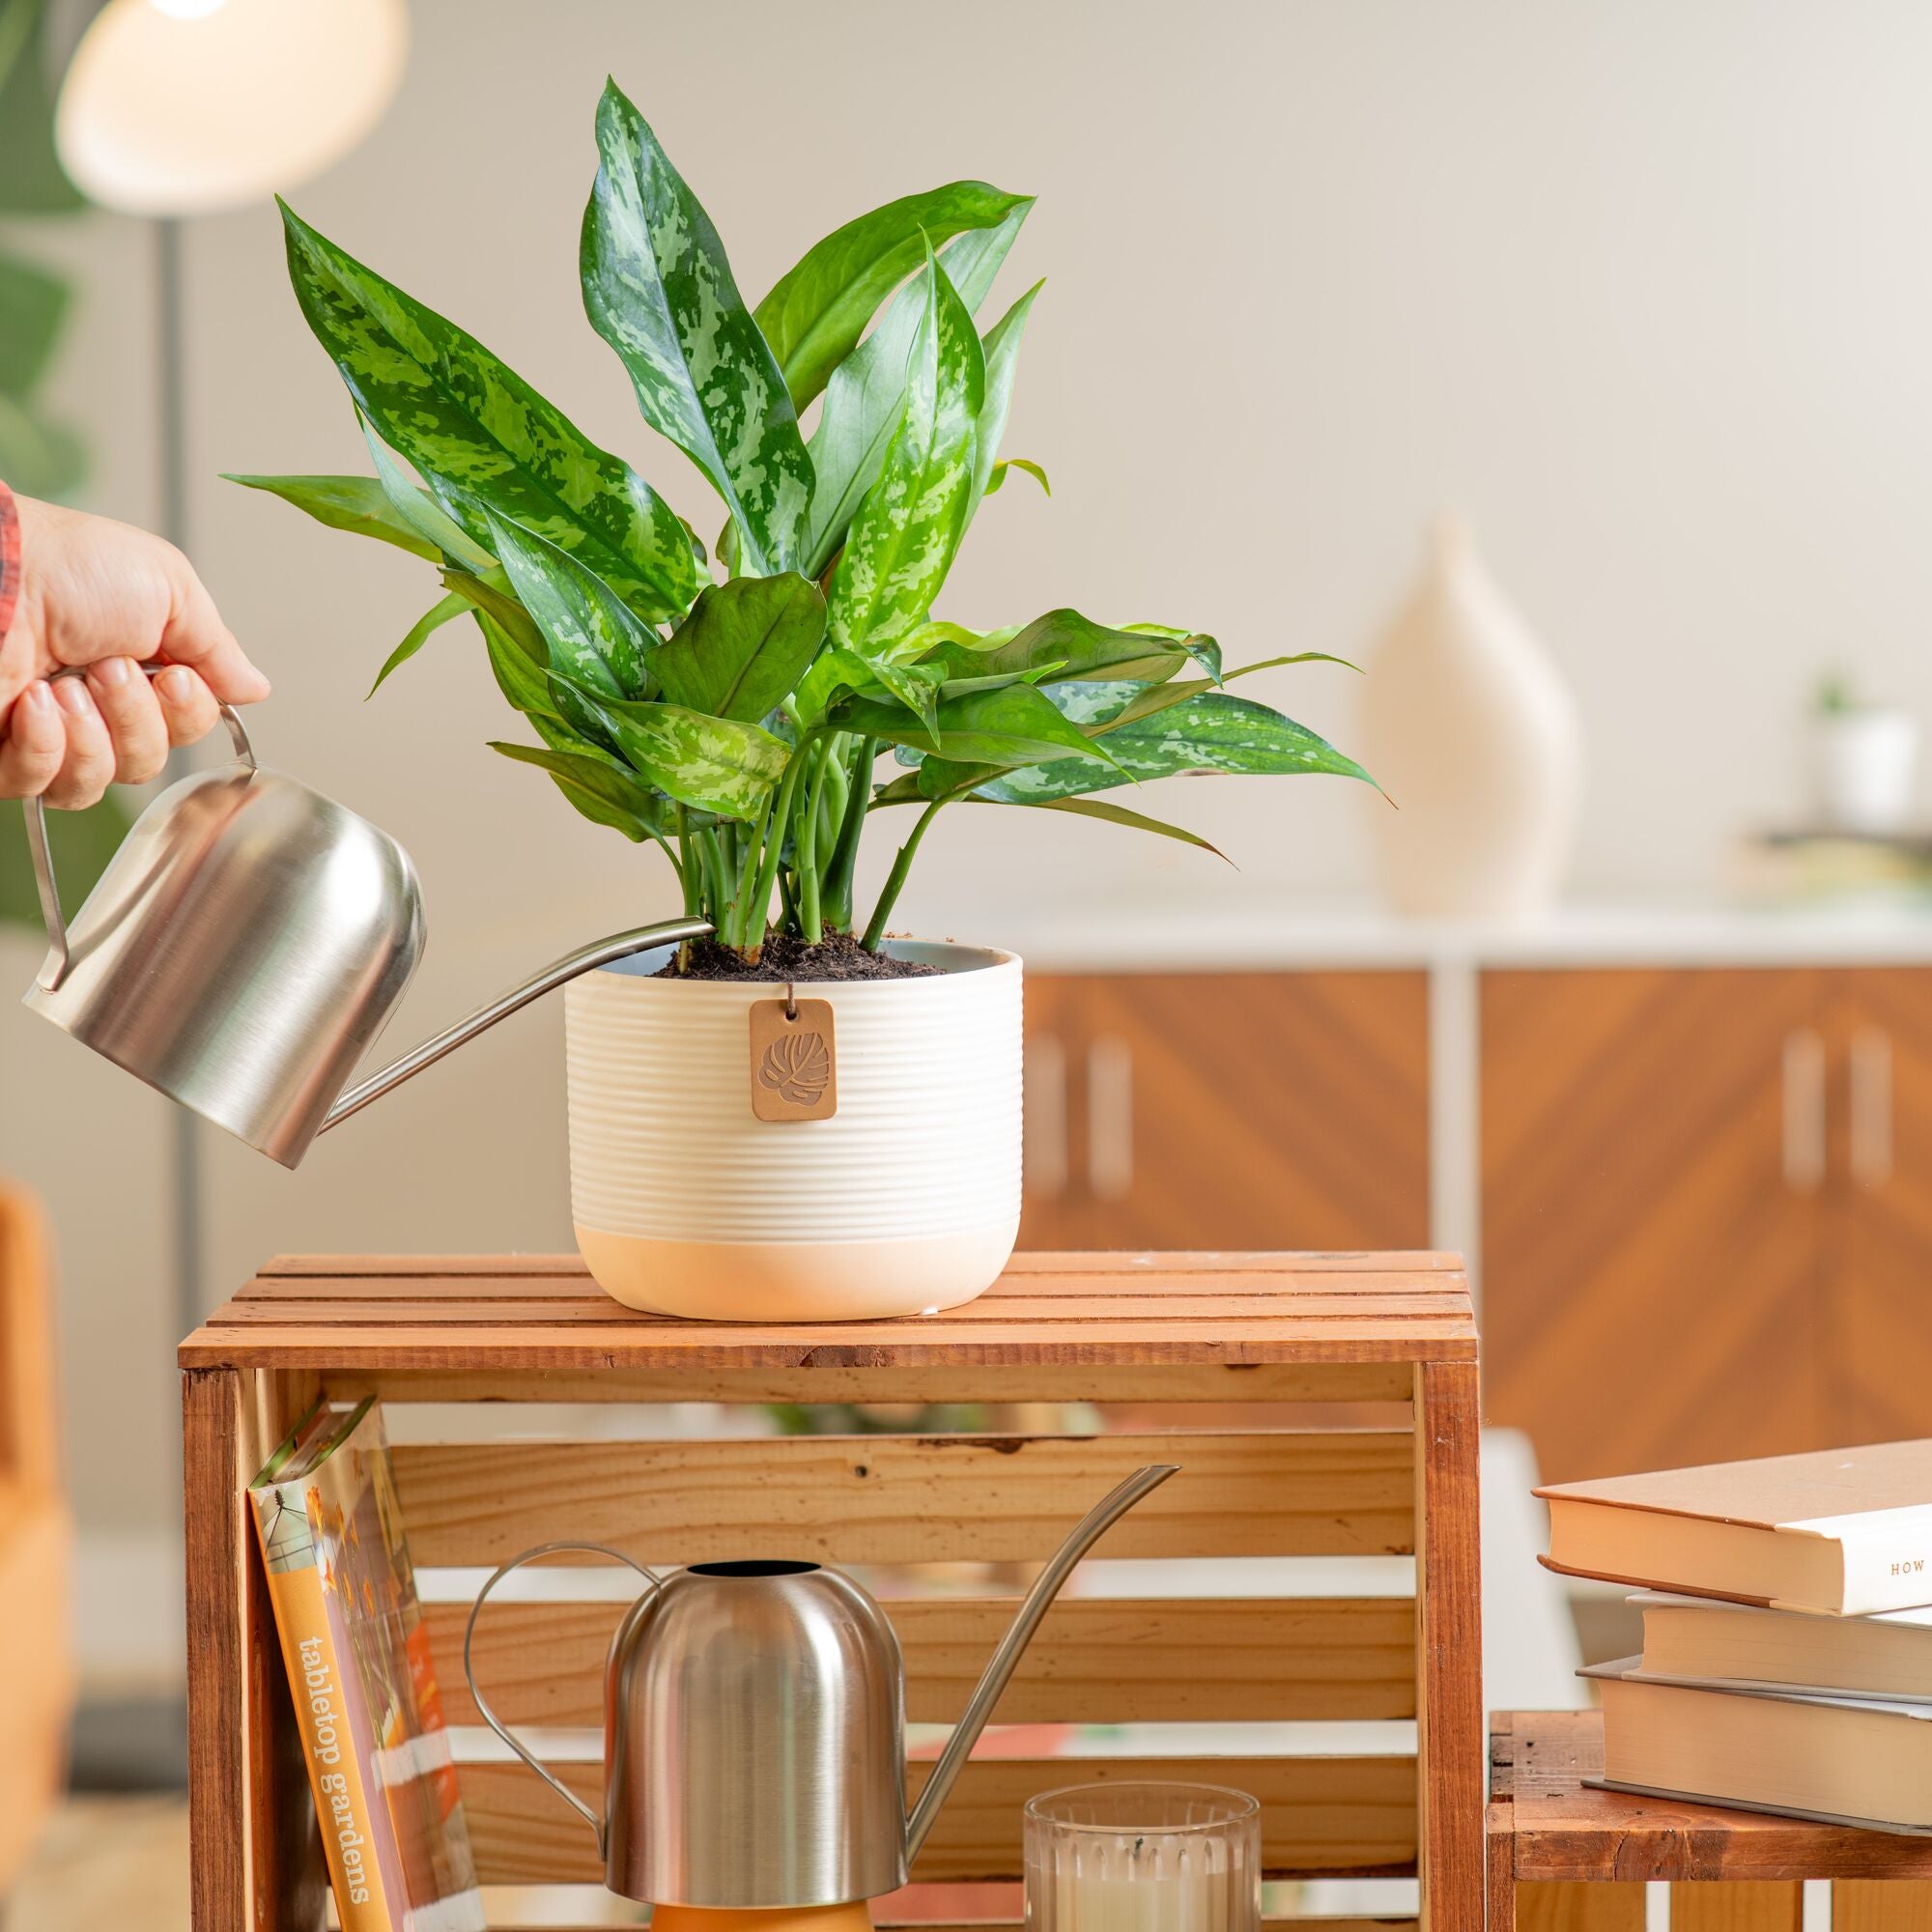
10, 560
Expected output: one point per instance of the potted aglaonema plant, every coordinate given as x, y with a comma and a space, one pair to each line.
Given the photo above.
801, 1117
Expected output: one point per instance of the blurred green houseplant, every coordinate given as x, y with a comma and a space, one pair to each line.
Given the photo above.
732, 709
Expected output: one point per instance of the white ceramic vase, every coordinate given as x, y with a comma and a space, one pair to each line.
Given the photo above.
906, 1200
1476, 739
1865, 769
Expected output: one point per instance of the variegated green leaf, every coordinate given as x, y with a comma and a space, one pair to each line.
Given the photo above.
602, 791
718, 764
902, 541
906, 791
1210, 733
419, 634
1146, 703
1003, 357
658, 288
1008, 726
743, 648
469, 424
491, 592
816, 315
420, 512
356, 503
593, 636
865, 397
1081, 649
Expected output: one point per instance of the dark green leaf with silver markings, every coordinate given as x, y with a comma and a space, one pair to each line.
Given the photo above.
658, 288
593, 636
469, 423
816, 315
865, 397
907, 532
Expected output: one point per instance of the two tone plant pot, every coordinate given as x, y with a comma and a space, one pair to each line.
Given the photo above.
905, 1201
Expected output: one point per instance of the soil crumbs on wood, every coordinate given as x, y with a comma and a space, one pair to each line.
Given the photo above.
787, 957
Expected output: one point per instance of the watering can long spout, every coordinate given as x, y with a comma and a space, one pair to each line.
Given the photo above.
585, 959
1005, 1659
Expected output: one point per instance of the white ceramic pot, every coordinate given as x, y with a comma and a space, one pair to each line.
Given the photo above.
1866, 768
906, 1200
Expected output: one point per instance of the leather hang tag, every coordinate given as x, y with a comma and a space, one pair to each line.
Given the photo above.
795, 1060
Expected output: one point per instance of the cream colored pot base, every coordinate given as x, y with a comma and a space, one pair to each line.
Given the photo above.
807, 1281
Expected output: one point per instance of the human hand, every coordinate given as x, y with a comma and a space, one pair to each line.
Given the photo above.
97, 594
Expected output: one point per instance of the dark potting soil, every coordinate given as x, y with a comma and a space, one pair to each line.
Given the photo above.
785, 956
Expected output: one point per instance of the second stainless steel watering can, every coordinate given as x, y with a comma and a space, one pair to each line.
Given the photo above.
753, 1729
245, 947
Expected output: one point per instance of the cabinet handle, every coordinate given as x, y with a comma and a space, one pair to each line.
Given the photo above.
1803, 1109
1043, 1119
1871, 1107
1110, 1117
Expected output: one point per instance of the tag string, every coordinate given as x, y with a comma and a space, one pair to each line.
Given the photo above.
791, 1004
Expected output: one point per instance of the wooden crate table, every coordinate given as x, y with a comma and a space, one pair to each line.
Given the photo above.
1564, 1857
1231, 1365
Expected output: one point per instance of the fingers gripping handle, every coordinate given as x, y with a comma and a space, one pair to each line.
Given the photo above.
490, 1717
53, 969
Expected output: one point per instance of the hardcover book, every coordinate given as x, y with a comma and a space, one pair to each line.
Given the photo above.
365, 1695
1701, 1641
1839, 1531
1838, 1760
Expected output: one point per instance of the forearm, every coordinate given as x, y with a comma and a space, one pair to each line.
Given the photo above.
14, 673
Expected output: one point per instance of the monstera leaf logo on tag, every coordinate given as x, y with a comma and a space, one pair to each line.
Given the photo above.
797, 1069
795, 1060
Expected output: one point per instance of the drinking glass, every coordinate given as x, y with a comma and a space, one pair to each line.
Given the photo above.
1143, 1858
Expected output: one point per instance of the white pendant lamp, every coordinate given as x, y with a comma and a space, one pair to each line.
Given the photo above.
175, 107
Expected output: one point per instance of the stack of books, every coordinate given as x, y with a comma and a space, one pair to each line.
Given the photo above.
1787, 1631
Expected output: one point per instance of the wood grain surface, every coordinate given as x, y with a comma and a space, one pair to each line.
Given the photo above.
1249, 1660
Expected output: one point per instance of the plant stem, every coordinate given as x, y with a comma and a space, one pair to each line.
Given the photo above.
844, 861
811, 927
896, 878
768, 865
689, 880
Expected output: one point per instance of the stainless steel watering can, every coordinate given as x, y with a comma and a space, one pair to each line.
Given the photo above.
753, 1729
245, 947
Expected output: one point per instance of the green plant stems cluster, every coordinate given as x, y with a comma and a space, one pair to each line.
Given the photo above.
806, 848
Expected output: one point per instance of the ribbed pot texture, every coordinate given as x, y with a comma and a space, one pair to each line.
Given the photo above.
906, 1201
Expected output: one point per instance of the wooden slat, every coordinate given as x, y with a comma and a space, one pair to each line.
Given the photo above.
1745, 1905
909, 1498
1076, 1313
1166, 1263
1319, 1814
1563, 1829
1449, 1643
1580, 1908
1880, 1905
1099, 1381
1095, 1660
406, 1307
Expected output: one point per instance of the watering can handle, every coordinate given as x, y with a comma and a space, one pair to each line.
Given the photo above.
54, 969
489, 1716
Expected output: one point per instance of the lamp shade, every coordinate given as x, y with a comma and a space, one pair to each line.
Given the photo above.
177, 107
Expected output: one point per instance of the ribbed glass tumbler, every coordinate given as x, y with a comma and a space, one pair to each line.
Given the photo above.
1143, 1858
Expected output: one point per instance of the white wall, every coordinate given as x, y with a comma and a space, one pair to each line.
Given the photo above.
1642, 285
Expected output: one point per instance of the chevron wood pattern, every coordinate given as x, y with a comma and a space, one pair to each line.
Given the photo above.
1239, 1110
1879, 1230
1653, 1285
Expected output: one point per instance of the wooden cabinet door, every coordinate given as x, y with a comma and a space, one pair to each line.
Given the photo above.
1879, 1343
1655, 1168
1228, 1110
